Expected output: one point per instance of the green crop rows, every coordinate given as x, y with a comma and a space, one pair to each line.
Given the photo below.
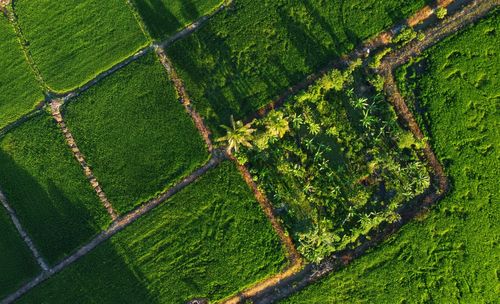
251, 53
20, 91
16, 263
452, 255
190, 247
135, 134
71, 43
59, 211
165, 17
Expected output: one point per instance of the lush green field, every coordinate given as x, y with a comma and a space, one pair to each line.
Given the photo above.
16, 262
209, 241
452, 255
72, 42
165, 17
251, 53
135, 134
335, 164
20, 91
47, 188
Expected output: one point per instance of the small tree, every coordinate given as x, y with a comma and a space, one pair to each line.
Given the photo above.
441, 12
238, 135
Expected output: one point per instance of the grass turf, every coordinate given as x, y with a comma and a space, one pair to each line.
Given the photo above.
453, 255
163, 18
135, 134
47, 188
208, 241
73, 42
250, 53
20, 90
16, 262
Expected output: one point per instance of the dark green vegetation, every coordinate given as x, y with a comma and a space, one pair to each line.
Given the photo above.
453, 255
250, 53
72, 42
16, 262
165, 17
47, 188
135, 134
335, 164
20, 91
209, 241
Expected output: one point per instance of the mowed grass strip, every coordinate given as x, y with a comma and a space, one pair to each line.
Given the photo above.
16, 262
135, 134
251, 53
47, 188
165, 17
71, 42
208, 241
20, 91
451, 255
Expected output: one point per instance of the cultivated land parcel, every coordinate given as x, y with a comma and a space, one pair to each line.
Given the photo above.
193, 151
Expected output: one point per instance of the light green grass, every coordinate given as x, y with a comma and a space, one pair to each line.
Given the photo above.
135, 134
20, 91
453, 255
165, 17
47, 188
71, 42
16, 262
251, 53
208, 241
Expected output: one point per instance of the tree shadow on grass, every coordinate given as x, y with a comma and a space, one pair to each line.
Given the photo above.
158, 18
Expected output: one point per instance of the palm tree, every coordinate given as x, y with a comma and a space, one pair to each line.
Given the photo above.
277, 124
237, 135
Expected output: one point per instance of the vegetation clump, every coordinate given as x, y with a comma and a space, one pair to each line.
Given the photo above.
334, 163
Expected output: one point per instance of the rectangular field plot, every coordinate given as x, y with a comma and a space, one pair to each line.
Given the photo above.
189, 247
165, 17
71, 42
456, 86
135, 134
19, 88
335, 164
16, 262
251, 53
47, 188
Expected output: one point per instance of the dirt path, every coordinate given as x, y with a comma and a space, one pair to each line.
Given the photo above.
24, 235
270, 292
55, 106
118, 225
184, 98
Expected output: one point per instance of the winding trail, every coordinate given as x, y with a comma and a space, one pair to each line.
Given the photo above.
55, 106
24, 235
121, 223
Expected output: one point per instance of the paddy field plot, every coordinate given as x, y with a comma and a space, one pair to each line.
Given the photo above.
165, 17
71, 42
46, 187
135, 134
20, 90
452, 253
208, 241
16, 262
250, 53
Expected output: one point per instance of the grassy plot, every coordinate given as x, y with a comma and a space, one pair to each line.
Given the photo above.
20, 90
72, 42
47, 188
335, 163
16, 262
453, 255
208, 241
165, 17
135, 133
251, 53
